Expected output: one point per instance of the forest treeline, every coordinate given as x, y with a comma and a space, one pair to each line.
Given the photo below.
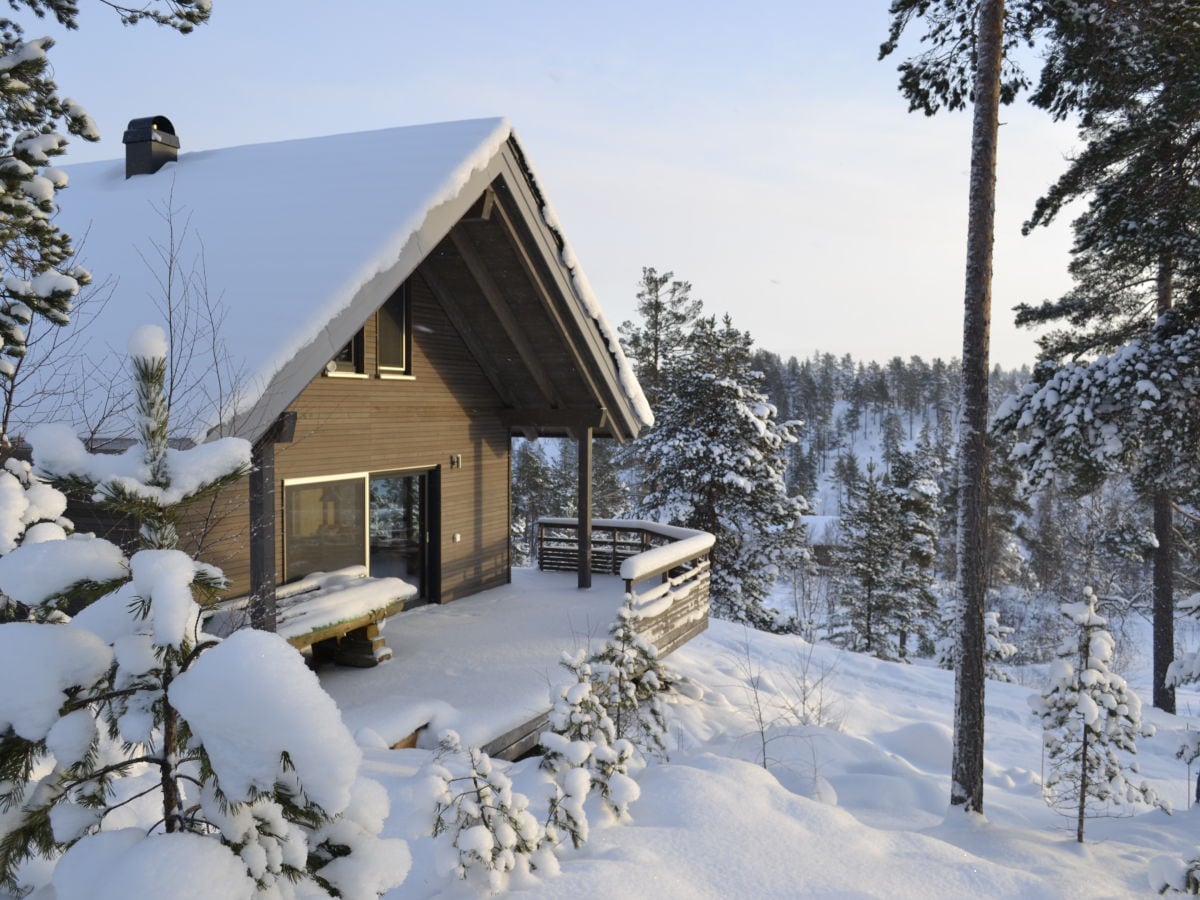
831, 484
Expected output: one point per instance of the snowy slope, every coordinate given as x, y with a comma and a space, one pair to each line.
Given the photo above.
857, 808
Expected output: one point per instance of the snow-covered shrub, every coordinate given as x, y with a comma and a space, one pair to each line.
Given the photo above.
1090, 718
223, 756
487, 828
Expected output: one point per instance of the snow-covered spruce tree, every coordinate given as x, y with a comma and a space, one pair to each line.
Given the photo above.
869, 570
532, 485
914, 482
39, 279
486, 826
629, 680
142, 747
1090, 718
717, 452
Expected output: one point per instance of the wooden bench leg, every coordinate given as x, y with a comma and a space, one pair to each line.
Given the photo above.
323, 652
363, 647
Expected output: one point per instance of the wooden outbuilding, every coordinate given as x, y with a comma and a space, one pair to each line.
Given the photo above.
379, 314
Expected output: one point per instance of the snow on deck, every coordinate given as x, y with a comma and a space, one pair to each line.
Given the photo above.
482, 665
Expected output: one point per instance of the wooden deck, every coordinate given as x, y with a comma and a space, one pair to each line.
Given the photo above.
486, 666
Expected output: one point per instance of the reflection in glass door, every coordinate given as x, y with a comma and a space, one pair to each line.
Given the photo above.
400, 529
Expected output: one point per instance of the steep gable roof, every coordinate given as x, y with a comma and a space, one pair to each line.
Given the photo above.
296, 243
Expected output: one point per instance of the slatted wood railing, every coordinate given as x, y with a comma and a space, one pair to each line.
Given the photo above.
666, 570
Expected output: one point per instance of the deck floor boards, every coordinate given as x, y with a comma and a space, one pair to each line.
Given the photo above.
485, 666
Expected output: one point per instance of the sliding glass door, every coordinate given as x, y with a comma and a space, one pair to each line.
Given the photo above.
385, 520
401, 528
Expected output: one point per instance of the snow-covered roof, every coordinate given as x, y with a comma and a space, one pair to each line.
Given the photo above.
294, 244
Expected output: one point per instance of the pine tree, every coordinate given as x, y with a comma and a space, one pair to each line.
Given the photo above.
129, 684
1132, 69
668, 314
717, 452
40, 280
966, 60
1090, 718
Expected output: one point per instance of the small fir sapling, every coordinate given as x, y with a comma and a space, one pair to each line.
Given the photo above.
1090, 719
629, 681
583, 737
118, 714
487, 828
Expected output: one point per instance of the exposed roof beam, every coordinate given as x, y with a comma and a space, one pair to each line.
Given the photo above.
478, 347
481, 209
503, 311
539, 287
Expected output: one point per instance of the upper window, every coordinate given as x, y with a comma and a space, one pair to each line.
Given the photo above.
395, 334
350, 360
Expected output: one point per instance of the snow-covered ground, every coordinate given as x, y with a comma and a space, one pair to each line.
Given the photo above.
854, 806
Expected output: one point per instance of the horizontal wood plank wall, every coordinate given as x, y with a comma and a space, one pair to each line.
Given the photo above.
447, 408
217, 531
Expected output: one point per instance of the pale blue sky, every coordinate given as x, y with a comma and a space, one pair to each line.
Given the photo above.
758, 150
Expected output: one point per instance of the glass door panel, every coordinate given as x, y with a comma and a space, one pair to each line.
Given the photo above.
399, 532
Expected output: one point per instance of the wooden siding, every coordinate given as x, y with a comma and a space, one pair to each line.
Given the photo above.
350, 425
217, 531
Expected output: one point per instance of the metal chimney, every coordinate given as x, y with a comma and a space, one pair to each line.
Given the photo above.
149, 143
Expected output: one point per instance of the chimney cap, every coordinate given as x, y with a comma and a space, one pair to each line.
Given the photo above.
156, 129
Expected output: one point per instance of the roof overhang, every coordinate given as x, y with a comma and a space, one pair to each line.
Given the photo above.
501, 199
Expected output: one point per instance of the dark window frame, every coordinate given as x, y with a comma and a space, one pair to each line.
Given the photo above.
393, 352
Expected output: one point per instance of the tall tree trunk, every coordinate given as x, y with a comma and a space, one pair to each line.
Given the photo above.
966, 788
1164, 553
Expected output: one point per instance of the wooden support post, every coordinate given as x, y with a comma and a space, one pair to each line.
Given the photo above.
585, 507
262, 534
262, 521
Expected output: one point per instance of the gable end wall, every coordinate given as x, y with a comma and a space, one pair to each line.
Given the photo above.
349, 425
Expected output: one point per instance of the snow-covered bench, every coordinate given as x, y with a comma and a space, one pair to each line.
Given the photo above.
338, 614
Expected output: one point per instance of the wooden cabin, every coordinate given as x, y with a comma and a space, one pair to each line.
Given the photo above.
378, 314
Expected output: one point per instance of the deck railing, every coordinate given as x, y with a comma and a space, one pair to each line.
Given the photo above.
666, 570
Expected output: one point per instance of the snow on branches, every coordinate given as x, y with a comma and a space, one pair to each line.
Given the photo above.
486, 827
231, 765
1133, 408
